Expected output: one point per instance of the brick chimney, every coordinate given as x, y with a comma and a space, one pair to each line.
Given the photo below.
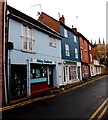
74, 29
62, 19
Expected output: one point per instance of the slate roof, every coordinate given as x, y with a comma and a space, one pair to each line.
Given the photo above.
18, 15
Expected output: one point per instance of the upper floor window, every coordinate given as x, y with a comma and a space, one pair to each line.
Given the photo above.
75, 39
90, 57
81, 53
52, 42
65, 33
89, 47
76, 53
27, 39
67, 50
86, 54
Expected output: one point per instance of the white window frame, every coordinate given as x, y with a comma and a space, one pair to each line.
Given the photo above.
89, 47
91, 59
75, 39
67, 50
76, 53
86, 55
65, 33
52, 41
73, 73
27, 39
81, 53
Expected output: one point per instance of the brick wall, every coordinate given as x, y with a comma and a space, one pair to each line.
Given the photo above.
49, 21
1, 55
84, 49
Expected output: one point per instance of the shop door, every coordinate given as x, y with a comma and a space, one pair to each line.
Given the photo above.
60, 74
66, 70
19, 81
79, 73
50, 76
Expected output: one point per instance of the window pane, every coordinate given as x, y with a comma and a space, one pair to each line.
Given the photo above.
74, 38
65, 33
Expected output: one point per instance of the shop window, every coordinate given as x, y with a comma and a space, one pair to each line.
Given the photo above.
38, 72
72, 73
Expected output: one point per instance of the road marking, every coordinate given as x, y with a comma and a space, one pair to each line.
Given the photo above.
103, 112
97, 111
48, 96
26, 102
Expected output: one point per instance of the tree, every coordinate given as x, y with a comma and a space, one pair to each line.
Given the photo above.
100, 52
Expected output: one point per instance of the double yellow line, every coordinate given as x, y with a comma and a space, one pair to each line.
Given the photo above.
98, 110
45, 97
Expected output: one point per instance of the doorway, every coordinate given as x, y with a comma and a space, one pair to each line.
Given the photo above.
18, 81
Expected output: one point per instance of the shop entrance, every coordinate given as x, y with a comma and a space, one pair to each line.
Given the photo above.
18, 81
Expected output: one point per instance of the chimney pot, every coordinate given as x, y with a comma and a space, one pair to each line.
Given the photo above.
62, 19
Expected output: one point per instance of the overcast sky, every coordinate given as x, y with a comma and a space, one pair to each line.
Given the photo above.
89, 16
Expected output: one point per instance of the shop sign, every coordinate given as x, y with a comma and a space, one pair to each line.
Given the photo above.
41, 61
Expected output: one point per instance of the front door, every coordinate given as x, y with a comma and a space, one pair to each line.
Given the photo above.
79, 77
50, 75
66, 70
18, 81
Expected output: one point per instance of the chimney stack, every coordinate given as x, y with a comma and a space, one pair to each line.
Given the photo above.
62, 19
74, 29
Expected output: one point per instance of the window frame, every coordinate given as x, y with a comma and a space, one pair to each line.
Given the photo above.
75, 39
76, 53
67, 51
52, 41
29, 41
66, 33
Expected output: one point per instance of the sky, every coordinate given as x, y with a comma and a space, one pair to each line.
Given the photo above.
88, 16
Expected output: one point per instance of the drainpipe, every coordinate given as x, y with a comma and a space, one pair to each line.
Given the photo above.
4, 69
28, 78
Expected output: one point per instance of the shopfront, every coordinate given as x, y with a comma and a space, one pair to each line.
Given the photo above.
70, 71
41, 75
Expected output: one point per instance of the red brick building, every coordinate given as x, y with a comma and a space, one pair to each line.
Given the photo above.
91, 59
2, 54
85, 58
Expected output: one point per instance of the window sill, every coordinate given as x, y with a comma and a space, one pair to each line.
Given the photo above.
27, 51
52, 46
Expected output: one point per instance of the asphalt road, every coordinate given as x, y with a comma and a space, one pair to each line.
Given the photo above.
76, 104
